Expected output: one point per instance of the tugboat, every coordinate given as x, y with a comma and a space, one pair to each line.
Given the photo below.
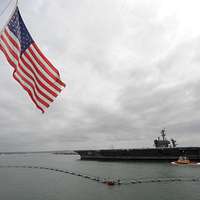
182, 160
164, 149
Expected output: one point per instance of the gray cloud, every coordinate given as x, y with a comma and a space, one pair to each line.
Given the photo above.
131, 68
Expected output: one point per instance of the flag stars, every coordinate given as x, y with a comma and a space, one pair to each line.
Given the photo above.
18, 28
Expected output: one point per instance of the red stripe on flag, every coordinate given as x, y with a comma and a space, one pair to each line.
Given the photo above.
35, 83
8, 57
34, 89
14, 66
48, 62
45, 60
40, 73
29, 92
12, 40
9, 48
57, 79
38, 80
15, 56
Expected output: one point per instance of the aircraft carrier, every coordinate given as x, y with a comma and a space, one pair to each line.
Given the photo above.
164, 149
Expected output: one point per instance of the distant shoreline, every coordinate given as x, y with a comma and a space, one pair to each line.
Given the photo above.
37, 152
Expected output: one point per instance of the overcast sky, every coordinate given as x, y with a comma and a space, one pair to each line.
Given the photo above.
131, 67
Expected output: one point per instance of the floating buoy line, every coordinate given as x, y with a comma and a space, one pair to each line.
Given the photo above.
107, 181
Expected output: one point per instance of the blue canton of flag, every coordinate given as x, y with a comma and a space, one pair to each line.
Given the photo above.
18, 28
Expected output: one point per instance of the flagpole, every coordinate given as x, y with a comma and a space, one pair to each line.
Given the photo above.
16, 3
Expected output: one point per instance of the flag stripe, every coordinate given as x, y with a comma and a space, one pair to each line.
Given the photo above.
31, 79
49, 67
10, 44
24, 78
7, 57
8, 49
43, 69
46, 60
37, 85
14, 75
29, 92
15, 39
11, 38
5, 44
43, 75
25, 57
31, 87
29, 67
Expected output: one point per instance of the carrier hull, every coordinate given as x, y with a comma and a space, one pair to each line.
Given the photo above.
193, 153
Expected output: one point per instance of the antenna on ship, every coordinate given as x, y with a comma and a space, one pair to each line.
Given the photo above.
163, 133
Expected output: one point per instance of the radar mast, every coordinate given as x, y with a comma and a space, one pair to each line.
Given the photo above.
163, 143
163, 133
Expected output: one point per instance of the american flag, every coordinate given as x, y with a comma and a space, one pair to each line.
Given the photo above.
32, 69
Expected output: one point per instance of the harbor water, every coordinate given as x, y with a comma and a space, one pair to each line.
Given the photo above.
21, 183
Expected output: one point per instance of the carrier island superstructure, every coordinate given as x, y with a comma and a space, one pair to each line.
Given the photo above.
163, 149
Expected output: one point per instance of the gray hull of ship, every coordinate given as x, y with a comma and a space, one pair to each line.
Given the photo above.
193, 153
